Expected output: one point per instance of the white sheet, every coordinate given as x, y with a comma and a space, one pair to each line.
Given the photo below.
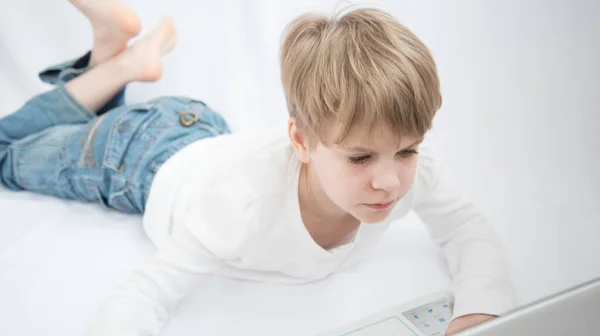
518, 130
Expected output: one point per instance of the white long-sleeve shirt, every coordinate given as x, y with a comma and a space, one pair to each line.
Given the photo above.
229, 206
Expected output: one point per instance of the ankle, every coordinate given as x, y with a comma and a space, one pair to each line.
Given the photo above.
105, 47
123, 68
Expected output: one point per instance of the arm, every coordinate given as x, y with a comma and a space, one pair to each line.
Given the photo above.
471, 246
142, 304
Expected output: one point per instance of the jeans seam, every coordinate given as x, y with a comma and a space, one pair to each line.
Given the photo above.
109, 138
87, 158
81, 161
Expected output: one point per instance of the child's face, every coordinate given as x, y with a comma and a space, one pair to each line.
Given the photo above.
367, 174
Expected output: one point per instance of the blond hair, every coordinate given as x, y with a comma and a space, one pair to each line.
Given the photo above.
363, 68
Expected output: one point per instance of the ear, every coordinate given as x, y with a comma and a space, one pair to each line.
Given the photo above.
299, 143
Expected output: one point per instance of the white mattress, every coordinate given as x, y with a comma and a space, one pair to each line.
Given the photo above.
530, 168
60, 258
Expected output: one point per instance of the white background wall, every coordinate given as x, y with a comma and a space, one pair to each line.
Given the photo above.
518, 128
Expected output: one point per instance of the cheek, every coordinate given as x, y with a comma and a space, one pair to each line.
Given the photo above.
345, 177
344, 181
355, 181
330, 173
408, 173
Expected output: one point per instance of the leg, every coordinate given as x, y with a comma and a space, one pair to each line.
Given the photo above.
140, 62
76, 101
112, 159
68, 70
113, 24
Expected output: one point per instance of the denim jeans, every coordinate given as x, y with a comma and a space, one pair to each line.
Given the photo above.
55, 146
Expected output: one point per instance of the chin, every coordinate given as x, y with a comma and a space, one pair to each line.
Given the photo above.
373, 218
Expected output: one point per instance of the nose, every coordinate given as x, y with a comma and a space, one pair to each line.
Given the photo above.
386, 178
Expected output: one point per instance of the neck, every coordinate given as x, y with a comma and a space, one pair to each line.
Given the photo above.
327, 224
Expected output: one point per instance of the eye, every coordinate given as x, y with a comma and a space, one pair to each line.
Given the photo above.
359, 159
407, 153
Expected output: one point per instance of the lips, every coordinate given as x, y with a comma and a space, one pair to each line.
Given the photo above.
380, 206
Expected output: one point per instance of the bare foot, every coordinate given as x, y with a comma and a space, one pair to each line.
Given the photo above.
114, 24
144, 58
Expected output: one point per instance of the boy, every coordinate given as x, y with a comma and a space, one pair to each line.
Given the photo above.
289, 207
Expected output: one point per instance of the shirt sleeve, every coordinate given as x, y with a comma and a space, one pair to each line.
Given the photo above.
142, 304
471, 246
212, 228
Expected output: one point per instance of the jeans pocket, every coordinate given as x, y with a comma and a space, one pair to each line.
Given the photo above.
123, 132
40, 159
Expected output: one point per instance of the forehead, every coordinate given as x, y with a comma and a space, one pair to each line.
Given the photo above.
376, 139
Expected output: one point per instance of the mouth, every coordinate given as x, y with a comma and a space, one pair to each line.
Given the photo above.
380, 206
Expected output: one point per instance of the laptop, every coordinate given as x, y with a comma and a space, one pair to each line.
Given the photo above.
575, 311
571, 312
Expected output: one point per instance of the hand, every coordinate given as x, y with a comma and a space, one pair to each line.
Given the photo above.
467, 321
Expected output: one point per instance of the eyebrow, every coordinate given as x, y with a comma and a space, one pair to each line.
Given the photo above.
367, 150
